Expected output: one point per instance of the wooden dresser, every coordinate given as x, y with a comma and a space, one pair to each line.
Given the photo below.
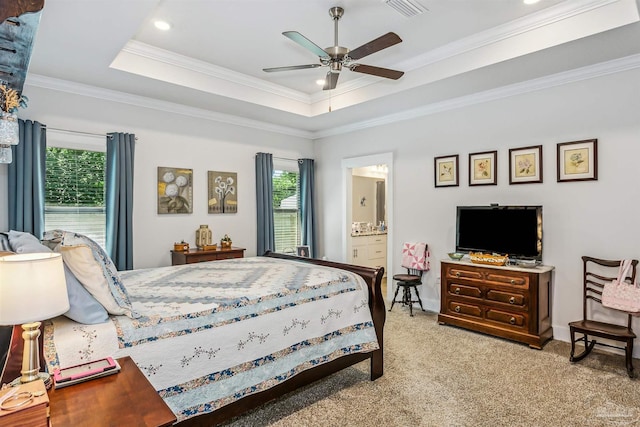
197, 255
508, 302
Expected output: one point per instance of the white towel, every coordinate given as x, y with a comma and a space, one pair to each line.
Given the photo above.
415, 256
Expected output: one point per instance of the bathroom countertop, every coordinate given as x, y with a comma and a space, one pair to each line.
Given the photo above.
368, 233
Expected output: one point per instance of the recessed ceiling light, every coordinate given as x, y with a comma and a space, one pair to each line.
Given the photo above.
320, 82
162, 25
531, 1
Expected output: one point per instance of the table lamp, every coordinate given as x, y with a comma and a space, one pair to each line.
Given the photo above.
32, 288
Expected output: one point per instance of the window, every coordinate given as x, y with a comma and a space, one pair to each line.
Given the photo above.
286, 206
75, 192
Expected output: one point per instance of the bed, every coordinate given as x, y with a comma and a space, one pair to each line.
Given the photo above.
216, 339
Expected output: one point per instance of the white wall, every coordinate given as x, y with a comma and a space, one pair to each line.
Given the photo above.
598, 218
172, 141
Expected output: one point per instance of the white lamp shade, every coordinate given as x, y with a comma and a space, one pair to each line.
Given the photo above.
32, 288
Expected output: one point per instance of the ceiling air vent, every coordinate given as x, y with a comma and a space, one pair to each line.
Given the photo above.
407, 8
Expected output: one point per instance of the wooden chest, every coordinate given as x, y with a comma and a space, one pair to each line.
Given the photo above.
508, 302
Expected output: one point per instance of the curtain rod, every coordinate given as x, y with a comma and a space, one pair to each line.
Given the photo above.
284, 158
79, 132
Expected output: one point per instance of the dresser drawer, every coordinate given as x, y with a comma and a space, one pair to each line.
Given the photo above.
511, 278
458, 307
195, 255
229, 255
453, 272
377, 251
464, 290
516, 300
506, 318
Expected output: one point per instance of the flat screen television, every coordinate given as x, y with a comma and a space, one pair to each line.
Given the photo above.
512, 230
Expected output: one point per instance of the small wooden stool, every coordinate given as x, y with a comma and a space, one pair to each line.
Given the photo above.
412, 279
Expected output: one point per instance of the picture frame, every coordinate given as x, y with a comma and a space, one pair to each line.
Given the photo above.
303, 251
483, 168
577, 160
175, 190
525, 165
446, 171
222, 192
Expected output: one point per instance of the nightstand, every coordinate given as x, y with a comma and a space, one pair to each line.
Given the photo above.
123, 399
198, 255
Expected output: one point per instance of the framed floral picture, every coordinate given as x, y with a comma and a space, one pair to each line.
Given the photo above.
446, 171
578, 160
483, 168
525, 165
223, 192
175, 190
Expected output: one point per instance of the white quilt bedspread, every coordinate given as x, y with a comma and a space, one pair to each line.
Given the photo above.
211, 333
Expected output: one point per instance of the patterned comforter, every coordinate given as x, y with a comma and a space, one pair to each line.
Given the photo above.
211, 333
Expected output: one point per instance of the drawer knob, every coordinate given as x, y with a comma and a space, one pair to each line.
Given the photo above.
512, 300
457, 309
457, 291
457, 274
513, 282
512, 320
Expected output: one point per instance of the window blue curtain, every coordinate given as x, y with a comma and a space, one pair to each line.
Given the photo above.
26, 179
307, 206
119, 199
264, 203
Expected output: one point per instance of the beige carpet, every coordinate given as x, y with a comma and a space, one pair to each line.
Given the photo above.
444, 376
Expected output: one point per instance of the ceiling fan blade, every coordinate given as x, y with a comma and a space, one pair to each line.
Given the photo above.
376, 71
331, 81
291, 67
305, 42
374, 46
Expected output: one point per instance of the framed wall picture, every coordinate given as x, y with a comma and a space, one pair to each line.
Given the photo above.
483, 168
175, 190
303, 251
525, 165
446, 171
578, 160
223, 192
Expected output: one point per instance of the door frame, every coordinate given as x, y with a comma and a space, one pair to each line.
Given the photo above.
347, 189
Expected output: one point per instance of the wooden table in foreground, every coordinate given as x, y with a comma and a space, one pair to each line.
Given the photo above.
123, 399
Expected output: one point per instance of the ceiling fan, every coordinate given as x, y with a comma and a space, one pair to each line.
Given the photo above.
336, 57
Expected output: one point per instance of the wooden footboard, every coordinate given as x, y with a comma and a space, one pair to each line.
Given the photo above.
373, 278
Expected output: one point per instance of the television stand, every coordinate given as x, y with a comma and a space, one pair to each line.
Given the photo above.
505, 301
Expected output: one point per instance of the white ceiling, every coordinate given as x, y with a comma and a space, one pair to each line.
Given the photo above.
210, 63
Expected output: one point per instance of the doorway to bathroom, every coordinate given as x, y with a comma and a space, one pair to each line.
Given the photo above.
368, 211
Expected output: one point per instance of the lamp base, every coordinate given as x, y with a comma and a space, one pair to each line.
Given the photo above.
45, 377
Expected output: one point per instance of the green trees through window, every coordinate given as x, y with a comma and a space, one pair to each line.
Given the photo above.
75, 192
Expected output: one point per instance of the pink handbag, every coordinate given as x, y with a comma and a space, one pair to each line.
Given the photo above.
622, 295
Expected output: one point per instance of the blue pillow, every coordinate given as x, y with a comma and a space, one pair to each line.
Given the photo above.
83, 307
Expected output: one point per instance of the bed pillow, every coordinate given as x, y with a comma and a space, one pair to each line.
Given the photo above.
83, 308
94, 269
4, 242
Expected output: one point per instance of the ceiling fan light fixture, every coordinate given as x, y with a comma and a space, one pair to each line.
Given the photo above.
407, 8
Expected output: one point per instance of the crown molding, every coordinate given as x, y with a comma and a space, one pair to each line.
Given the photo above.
153, 53
527, 23
567, 77
170, 107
